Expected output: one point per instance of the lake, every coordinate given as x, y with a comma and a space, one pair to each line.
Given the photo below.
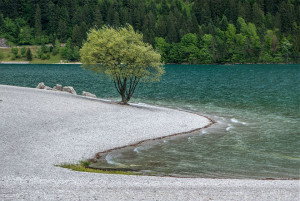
256, 107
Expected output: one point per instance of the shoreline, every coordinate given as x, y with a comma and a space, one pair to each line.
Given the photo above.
42, 128
219, 64
99, 155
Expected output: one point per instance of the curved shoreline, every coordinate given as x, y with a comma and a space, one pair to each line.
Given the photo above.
42, 128
212, 122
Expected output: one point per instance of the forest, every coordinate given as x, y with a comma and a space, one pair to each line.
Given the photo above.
182, 31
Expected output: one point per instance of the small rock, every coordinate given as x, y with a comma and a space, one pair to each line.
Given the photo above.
58, 87
41, 85
69, 89
47, 88
88, 94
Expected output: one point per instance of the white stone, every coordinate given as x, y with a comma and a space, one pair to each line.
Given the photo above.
69, 89
47, 88
88, 94
41, 85
58, 87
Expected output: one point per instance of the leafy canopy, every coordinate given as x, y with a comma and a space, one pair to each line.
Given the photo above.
123, 56
121, 53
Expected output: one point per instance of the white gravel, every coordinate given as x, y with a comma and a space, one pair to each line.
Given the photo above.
39, 129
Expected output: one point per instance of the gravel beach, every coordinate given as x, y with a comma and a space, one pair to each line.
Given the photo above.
40, 129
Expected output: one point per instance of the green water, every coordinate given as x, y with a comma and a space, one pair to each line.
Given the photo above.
257, 109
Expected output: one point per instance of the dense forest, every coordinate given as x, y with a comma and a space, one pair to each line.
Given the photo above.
183, 31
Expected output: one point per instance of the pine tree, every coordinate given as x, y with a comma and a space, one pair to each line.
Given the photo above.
28, 54
56, 48
77, 36
97, 20
38, 21
116, 21
173, 35
62, 30
257, 15
2, 24
164, 8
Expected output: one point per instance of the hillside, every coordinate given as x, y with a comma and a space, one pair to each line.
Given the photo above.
195, 31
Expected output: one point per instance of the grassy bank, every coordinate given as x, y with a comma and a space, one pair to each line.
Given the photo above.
6, 55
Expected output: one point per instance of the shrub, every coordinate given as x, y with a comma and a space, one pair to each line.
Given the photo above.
23, 51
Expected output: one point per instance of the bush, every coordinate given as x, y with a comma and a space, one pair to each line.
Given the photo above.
15, 51
1, 55
39, 53
23, 51
29, 54
43, 56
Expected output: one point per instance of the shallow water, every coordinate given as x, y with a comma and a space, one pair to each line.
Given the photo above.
256, 108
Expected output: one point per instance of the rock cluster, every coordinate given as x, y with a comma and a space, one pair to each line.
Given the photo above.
57, 87
68, 89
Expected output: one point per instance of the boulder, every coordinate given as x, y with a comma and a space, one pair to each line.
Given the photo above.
58, 87
88, 94
47, 88
69, 89
41, 85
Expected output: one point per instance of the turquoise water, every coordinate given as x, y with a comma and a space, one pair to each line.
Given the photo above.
257, 109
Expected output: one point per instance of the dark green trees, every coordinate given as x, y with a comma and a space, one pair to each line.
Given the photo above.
42, 21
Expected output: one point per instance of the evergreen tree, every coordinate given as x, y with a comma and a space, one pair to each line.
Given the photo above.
56, 48
28, 54
172, 32
2, 24
62, 30
77, 36
257, 15
97, 21
38, 21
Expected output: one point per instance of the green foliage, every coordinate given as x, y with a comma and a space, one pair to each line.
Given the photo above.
15, 51
285, 48
39, 53
23, 51
28, 54
190, 51
38, 22
162, 47
1, 55
56, 48
122, 55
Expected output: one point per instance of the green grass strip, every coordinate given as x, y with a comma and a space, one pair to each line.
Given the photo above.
82, 167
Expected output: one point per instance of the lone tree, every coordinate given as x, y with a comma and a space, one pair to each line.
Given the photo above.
122, 55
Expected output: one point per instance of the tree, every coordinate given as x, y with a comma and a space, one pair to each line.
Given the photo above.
190, 51
15, 51
56, 48
28, 54
122, 55
23, 51
285, 47
162, 47
38, 21
77, 36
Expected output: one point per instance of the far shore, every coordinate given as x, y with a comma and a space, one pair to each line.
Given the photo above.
27, 62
